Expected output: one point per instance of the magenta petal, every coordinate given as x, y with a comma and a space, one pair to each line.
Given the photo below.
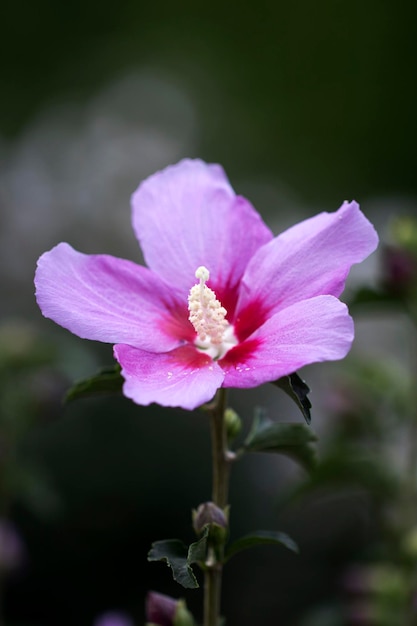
309, 259
188, 215
319, 329
183, 377
108, 299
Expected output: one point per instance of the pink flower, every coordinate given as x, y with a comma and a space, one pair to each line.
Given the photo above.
263, 307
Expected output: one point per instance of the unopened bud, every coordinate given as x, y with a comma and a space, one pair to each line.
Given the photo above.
160, 609
233, 423
399, 268
208, 514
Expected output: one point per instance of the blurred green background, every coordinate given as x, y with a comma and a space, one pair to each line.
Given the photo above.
305, 105
320, 95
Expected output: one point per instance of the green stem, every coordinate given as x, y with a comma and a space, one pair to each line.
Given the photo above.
221, 472
220, 454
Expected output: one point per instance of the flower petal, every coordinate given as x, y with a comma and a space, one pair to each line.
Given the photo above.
183, 377
188, 215
318, 329
312, 258
108, 299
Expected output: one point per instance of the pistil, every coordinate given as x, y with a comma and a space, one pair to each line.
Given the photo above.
206, 313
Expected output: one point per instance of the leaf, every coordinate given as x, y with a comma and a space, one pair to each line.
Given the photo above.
174, 552
106, 381
294, 440
198, 550
261, 537
298, 391
180, 558
287, 438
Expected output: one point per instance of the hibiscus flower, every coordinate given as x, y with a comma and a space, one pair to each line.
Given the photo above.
222, 303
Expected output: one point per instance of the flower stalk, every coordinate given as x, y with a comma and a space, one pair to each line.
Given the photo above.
221, 460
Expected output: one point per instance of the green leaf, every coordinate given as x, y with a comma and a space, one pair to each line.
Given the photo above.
294, 440
175, 553
106, 381
261, 537
180, 558
198, 550
298, 391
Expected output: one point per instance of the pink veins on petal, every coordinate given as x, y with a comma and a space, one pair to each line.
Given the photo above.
264, 307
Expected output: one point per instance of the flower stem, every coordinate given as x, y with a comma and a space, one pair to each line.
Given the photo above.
220, 488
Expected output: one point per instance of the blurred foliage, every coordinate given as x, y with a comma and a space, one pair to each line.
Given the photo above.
372, 444
28, 387
369, 450
318, 95
397, 288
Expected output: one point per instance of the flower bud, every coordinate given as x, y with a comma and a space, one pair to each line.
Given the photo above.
208, 514
399, 257
162, 610
233, 423
399, 270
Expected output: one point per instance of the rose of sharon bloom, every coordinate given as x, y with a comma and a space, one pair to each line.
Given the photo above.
222, 303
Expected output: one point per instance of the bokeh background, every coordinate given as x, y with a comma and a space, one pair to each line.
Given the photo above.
305, 105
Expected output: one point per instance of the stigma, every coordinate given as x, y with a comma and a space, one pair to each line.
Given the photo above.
214, 333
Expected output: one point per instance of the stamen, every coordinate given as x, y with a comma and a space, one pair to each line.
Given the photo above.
206, 313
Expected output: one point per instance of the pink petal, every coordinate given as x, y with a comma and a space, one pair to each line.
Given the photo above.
318, 329
107, 299
183, 377
188, 215
311, 258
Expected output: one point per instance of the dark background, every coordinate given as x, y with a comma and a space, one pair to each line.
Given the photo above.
322, 95
305, 105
